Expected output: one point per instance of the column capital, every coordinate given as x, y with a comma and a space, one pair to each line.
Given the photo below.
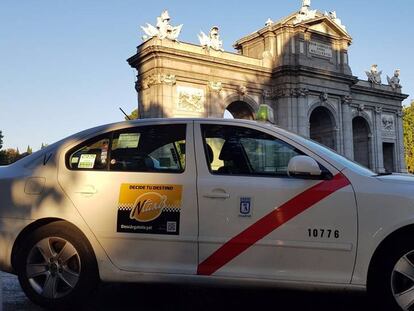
215, 86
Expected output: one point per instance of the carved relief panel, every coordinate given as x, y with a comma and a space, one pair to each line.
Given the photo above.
190, 99
388, 125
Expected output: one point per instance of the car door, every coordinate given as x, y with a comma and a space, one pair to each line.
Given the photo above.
257, 222
135, 187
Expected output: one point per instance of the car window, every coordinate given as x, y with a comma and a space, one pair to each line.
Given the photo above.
93, 155
159, 148
233, 150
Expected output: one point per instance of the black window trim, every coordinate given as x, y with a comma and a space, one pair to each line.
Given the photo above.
83, 144
325, 172
110, 136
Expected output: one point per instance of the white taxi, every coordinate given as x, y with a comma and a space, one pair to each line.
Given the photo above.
203, 200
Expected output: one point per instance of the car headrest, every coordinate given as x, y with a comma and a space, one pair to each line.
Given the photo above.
210, 154
230, 151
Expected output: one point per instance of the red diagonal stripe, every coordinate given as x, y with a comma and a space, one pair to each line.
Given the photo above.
270, 222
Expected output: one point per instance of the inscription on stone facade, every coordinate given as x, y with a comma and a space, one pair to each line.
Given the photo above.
320, 49
190, 99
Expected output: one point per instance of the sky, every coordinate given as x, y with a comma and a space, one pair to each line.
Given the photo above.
63, 63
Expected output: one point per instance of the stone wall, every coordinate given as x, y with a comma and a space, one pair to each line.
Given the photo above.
301, 70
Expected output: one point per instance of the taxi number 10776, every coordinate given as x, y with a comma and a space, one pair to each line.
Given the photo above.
323, 233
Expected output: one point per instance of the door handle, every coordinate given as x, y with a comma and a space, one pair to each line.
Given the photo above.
217, 195
87, 190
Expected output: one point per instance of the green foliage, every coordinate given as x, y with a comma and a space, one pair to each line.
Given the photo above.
43, 146
29, 150
1, 140
408, 124
9, 156
133, 115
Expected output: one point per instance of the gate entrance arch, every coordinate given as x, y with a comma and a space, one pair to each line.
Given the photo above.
361, 133
322, 127
241, 110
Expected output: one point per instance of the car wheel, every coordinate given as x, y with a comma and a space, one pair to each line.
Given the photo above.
391, 285
56, 267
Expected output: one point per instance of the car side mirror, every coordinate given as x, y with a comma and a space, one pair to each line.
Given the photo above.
304, 167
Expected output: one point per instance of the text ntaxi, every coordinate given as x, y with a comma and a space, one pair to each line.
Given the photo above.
219, 199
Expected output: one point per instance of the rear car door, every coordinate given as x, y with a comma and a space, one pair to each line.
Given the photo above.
135, 187
257, 222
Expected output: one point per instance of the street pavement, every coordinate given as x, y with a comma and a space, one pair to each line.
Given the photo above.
186, 297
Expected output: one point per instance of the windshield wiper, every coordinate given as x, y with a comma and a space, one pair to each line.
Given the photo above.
384, 174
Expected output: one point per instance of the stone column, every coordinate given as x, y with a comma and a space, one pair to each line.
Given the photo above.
283, 108
347, 127
303, 122
372, 157
215, 101
155, 94
294, 103
293, 110
269, 99
379, 167
400, 142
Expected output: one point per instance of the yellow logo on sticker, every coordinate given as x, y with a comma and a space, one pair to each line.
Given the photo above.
146, 202
148, 206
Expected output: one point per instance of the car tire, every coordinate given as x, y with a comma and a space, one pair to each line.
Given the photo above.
391, 279
56, 267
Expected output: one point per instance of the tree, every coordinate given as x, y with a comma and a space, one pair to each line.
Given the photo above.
408, 124
133, 115
29, 150
9, 156
1, 140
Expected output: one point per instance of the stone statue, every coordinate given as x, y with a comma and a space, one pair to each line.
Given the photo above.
306, 3
163, 29
269, 22
305, 13
394, 82
212, 41
374, 76
332, 15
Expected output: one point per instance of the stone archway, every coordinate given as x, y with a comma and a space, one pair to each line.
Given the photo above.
361, 140
322, 127
241, 110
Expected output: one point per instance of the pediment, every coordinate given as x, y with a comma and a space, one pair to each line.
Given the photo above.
320, 23
327, 26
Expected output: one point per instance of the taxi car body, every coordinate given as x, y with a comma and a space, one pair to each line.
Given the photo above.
203, 200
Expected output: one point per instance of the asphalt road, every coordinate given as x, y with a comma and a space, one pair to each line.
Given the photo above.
184, 297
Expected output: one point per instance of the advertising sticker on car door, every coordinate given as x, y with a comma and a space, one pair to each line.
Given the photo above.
149, 208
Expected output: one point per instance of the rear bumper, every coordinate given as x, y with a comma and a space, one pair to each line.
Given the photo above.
9, 230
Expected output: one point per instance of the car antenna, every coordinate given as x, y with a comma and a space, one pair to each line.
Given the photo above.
127, 116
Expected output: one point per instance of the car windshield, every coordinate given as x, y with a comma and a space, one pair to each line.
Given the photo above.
329, 153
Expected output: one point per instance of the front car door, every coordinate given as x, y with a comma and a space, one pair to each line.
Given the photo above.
257, 222
135, 187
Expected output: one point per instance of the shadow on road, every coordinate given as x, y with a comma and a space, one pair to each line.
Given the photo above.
145, 297
180, 297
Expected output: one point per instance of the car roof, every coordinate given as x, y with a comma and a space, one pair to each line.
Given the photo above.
88, 133
112, 126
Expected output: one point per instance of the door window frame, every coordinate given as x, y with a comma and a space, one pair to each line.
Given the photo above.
110, 135
328, 168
